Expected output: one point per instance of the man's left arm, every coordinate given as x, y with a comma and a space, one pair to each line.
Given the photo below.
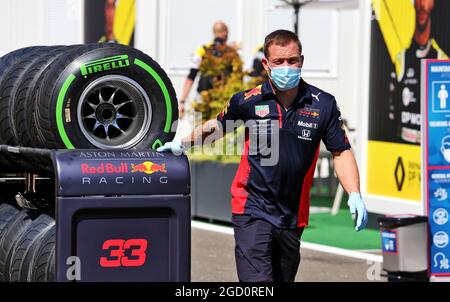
346, 170
337, 143
348, 175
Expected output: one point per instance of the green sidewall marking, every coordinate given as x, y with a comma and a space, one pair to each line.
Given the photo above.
59, 112
156, 144
163, 87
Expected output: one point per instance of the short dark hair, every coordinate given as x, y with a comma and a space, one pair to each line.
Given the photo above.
280, 37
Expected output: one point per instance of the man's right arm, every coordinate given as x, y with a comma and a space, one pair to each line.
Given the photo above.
213, 129
200, 133
196, 138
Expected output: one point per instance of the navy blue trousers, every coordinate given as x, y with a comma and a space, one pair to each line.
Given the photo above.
265, 253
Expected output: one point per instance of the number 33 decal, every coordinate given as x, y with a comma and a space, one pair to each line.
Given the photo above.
131, 252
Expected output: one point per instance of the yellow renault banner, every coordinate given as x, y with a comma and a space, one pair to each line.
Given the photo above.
403, 33
394, 170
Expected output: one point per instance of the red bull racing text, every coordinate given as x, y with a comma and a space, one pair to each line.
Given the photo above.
108, 173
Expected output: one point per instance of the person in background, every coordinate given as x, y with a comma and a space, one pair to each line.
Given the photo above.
220, 32
254, 66
110, 10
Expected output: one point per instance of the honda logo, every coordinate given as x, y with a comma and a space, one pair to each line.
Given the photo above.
306, 133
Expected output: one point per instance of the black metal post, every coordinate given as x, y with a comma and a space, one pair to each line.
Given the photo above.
297, 5
296, 14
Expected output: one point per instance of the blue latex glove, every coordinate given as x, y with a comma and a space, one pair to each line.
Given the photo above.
174, 146
358, 209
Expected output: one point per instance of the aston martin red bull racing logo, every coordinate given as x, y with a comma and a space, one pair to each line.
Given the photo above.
315, 113
148, 167
254, 92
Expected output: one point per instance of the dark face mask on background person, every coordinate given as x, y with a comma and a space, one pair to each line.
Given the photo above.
219, 41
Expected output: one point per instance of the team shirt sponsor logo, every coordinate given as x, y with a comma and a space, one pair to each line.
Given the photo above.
308, 125
305, 135
309, 112
316, 96
262, 110
254, 92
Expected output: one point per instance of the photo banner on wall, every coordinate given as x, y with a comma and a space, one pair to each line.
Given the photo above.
109, 21
403, 32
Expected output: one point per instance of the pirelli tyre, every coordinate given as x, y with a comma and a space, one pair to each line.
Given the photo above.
24, 88
21, 259
11, 234
43, 268
7, 212
12, 75
104, 96
6, 62
10, 58
7, 215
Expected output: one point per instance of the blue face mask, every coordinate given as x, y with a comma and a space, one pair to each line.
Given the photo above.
285, 77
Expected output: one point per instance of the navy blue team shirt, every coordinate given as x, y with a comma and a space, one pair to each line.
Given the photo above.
280, 193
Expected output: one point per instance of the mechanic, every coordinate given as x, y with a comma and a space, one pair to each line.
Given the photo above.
270, 203
254, 66
110, 10
404, 98
220, 31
